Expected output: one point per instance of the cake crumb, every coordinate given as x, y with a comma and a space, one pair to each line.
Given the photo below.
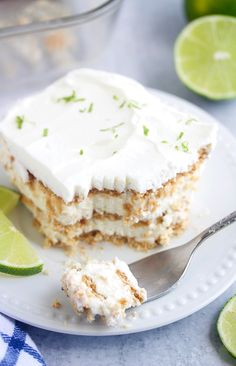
47, 242
56, 304
70, 251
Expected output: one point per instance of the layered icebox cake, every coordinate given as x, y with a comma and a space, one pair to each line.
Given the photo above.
97, 157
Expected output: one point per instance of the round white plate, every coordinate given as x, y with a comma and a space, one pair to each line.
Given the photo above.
211, 272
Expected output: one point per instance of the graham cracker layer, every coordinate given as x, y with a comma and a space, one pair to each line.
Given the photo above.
132, 206
142, 235
95, 237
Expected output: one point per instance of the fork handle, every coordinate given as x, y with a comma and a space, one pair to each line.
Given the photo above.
213, 229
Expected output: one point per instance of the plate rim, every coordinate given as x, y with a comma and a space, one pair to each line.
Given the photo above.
96, 333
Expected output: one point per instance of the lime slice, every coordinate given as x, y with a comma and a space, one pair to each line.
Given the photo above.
226, 326
205, 56
17, 257
8, 199
199, 8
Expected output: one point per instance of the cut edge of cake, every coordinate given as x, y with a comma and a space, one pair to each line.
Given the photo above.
145, 220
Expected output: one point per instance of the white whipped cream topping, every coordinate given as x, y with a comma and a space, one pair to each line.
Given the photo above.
111, 134
98, 287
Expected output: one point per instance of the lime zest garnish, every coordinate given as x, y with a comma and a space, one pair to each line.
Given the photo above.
184, 146
122, 104
45, 132
90, 108
20, 121
179, 137
134, 104
190, 120
131, 104
72, 98
112, 128
145, 130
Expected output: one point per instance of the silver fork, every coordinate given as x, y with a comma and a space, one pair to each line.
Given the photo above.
161, 272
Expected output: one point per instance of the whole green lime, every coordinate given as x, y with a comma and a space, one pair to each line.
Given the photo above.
198, 8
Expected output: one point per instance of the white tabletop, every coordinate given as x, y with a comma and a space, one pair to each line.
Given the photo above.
142, 47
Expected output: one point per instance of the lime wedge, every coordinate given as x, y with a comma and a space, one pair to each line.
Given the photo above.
205, 56
226, 326
8, 199
17, 257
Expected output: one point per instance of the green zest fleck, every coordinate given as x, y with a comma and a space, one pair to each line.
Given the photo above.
114, 152
184, 146
189, 121
90, 108
145, 131
134, 104
20, 121
122, 104
72, 98
45, 132
130, 103
164, 142
81, 152
180, 135
82, 110
112, 128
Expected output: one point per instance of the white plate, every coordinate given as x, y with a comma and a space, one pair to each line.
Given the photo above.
211, 272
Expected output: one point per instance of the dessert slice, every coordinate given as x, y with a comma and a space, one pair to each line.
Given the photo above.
105, 288
98, 157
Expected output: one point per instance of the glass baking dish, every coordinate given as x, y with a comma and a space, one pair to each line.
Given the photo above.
42, 37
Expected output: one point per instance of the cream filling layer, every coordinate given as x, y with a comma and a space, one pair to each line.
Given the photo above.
100, 203
141, 232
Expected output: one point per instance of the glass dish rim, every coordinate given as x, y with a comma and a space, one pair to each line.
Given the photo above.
62, 22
